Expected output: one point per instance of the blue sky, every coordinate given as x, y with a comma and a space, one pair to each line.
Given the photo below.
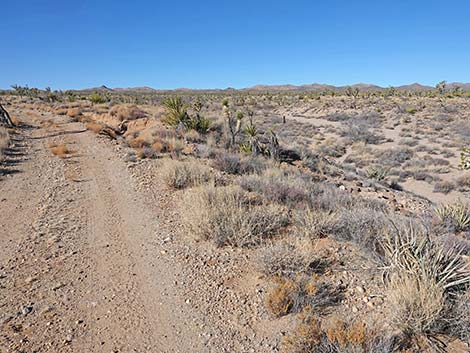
218, 44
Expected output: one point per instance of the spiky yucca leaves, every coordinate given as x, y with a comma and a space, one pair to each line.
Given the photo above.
376, 172
422, 276
177, 111
456, 215
411, 251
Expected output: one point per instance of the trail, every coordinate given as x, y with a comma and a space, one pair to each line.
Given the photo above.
78, 264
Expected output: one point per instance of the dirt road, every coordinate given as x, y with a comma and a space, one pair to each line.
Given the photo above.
79, 264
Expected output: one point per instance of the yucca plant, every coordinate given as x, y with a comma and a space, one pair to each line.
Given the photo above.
422, 276
234, 123
177, 111
458, 214
376, 172
411, 250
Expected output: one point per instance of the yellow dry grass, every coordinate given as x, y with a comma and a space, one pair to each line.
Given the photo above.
95, 127
60, 151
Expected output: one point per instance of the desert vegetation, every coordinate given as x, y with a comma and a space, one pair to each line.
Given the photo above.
350, 204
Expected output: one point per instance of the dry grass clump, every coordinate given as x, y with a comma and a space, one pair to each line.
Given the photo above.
422, 279
229, 216
74, 112
125, 112
294, 295
313, 335
315, 224
95, 127
61, 151
182, 174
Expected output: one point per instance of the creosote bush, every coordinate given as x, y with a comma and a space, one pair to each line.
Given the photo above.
229, 216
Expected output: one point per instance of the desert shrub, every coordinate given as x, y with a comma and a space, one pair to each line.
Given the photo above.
126, 112
394, 157
338, 117
422, 275
293, 295
232, 163
182, 174
315, 223
410, 110
281, 259
330, 148
361, 133
463, 182
228, 216
328, 197
334, 335
97, 98
364, 226
444, 187
228, 162
460, 316
277, 185
175, 146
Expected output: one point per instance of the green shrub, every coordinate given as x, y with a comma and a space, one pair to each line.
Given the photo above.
97, 98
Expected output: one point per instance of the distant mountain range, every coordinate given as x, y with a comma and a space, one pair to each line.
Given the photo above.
315, 87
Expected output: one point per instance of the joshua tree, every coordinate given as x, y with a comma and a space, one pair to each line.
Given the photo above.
234, 123
352, 92
441, 87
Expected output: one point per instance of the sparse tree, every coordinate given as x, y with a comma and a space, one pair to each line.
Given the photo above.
441, 87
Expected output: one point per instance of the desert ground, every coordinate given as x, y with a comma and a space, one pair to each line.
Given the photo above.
263, 220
